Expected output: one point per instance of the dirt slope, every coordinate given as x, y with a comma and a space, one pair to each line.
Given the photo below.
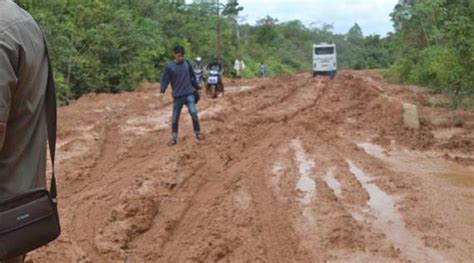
294, 169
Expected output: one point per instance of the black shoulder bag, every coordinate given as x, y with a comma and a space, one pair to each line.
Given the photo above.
197, 96
31, 220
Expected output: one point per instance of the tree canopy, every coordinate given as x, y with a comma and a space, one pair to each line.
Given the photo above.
434, 42
113, 45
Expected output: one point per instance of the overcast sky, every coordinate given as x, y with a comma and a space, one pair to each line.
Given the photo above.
372, 15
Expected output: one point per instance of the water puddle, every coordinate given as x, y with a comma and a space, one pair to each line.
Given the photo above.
389, 221
333, 183
382, 204
306, 185
144, 124
416, 163
162, 122
239, 89
211, 113
358, 216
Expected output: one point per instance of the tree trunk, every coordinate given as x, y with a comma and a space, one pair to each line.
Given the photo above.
219, 32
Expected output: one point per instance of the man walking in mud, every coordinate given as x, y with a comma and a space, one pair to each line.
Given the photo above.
23, 78
185, 89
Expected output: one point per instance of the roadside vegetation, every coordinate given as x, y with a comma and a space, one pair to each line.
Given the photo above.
110, 46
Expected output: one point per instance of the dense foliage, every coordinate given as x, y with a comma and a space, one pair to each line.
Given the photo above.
113, 45
435, 46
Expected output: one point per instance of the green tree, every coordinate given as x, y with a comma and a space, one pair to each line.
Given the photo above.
435, 46
113, 45
266, 32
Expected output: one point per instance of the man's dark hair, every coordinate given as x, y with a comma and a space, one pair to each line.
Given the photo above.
179, 50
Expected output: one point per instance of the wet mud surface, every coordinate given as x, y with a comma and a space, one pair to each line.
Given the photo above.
294, 169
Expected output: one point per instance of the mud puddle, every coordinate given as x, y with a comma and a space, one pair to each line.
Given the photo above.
142, 125
333, 183
419, 163
390, 222
238, 89
306, 185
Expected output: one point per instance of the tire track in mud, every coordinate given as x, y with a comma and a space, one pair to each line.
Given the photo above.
278, 243
346, 213
81, 229
169, 205
350, 149
352, 201
282, 243
200, 197
218, 184
100, 172
196, 216
318, 242
168, 227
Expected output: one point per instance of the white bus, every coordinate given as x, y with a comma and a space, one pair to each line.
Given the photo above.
325, 60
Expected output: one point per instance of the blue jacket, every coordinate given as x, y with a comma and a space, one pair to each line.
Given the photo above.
182, 78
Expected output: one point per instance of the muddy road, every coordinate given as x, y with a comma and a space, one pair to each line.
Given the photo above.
294, 169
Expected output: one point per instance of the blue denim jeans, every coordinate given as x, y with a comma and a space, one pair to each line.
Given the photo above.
178, 103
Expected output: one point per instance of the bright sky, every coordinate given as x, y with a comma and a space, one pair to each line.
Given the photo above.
372, 15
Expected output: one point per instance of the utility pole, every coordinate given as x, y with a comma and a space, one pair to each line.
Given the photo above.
219, 31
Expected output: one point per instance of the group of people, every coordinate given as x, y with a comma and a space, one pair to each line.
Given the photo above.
215, 64
239, 66
214, 67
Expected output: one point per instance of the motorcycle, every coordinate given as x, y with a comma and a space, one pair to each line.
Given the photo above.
213, 86
199, 76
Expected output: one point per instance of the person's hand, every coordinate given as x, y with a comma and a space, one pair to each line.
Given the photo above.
161, 96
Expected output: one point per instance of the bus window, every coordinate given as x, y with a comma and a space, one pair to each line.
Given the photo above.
324, 50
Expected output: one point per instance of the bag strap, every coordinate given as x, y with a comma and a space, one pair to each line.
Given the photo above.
51, 120
191, 72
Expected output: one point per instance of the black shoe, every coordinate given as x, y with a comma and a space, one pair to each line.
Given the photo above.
200, 136
172, 142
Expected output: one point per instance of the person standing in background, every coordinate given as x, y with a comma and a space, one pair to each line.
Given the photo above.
239, 66
262, 70
199, 70
216, 65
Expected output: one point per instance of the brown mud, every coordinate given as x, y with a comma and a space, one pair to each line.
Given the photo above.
294, 169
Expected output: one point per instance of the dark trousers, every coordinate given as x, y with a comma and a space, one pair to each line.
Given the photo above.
19, 259
178, 103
